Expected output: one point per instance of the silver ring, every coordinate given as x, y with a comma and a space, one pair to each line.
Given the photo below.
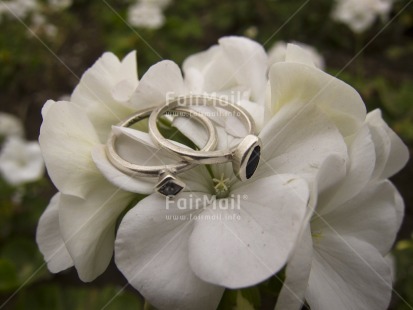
168, 184
244, 157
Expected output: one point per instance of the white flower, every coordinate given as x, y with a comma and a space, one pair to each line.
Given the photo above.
360, 14
10, 126
145, 15
309, 123
339, 262
18, 8
78, 226
159, 3
278, 52
39, 24
60, 4
21, 161
206, 249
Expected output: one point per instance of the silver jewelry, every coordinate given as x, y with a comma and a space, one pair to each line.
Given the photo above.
168, 184
245, 156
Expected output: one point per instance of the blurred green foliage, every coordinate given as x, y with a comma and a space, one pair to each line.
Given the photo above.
35, 66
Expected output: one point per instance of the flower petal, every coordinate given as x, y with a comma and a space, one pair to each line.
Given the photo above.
348, 274
359, 172
298, 271
298, 141
162, 82
392, 153
249, 63
152, 253
295, 53
192, 130
97, 93
297, 83
371, 216
66, 139
241, 242
88, 227
50, 240
255, 110
237, 62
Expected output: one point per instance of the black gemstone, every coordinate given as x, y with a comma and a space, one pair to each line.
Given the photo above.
170, 188
253, 161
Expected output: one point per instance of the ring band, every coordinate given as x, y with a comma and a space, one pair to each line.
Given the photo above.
245, 156
168, 184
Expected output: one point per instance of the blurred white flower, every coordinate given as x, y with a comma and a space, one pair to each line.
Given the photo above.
145, 15
277, 53
10, 126
21, 161
159, 3
40, 25
18, 8
60, 4
359, 15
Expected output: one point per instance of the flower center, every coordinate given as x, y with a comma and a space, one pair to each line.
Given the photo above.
222, 186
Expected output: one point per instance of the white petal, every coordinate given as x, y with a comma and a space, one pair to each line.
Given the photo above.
295, 53
197, 179
162, 82
237, 62
49, 103
124, 90
88, 227
325, 178
360, 169
152, 253
66, 139
235, 127
200, 61
246, 241
348, 274
298, 270
249, 64
298, 141
392, 153
50, 240
97, 94
256, 111
118, 178
208, 71
372, 216
192, 130
128, 68
297, 83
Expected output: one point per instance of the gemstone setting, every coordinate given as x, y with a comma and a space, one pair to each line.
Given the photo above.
253, 161
246, 157
169, 185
